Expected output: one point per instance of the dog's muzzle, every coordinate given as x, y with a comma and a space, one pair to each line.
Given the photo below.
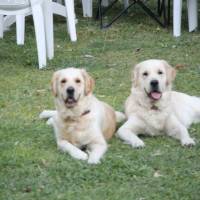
70, 101
70, 91
154, 84
155, 93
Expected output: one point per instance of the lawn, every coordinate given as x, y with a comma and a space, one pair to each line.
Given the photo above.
31, 167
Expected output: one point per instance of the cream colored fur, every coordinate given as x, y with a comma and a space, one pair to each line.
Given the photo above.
172, 114
87, 122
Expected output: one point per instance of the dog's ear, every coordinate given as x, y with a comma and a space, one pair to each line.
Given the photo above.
135, 76
54, 83
170, 72
89, 82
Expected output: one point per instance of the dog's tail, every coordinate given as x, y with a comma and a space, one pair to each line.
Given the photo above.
196, 104
120, 116
46, 114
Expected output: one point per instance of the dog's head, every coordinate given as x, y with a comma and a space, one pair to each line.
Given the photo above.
70, 85
153, 77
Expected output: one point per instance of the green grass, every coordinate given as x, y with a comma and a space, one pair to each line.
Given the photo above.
31, 167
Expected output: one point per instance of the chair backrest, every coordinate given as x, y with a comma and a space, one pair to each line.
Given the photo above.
14, 4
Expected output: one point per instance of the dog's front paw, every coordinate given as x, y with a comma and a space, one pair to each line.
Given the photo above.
137, 143
43, 114
188, 142
93, 160
80, 155
50, 121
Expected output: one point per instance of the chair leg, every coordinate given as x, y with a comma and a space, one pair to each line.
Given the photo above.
48, 24
105, 3
11, 19
59, 1
126, 3
38, 19
192, 14
20, 27
87, 8
177, 10
69, 4
1, 26
8, 21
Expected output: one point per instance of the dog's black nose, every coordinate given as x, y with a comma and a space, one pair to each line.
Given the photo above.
154, 83
70, 91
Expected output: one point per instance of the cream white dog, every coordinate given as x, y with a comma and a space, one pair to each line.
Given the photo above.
153, 109
80, 118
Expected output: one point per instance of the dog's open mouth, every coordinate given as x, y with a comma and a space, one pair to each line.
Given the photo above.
155, 95
70, 102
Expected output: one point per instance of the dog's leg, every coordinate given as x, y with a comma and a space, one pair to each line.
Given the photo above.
175, 129
97, 149
120, 117
67, 147
45, 114
129, 131
50, 121
75, 152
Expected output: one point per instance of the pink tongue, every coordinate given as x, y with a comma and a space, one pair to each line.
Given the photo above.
155, 95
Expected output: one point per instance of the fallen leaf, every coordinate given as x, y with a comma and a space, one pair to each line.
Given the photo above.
137, 49
41, 91
111, 65
44, 162
27, 189
88, 56
157, 174
157, 153
179, 66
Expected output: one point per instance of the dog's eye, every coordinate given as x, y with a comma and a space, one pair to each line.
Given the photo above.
63, 81
160, 72
145, 74
78, 80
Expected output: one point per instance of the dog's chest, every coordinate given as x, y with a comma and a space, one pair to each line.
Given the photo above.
77, 132
155, 121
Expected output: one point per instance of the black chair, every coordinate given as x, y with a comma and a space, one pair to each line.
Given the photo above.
162, 17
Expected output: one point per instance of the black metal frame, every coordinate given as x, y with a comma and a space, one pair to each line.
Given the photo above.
161, 11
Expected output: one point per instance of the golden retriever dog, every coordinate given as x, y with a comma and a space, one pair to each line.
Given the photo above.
154, 109
80, 119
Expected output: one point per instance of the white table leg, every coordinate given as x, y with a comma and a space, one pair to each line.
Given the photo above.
192, 14
177, 12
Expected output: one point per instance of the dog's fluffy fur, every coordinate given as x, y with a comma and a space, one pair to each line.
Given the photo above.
80, 118
153, 109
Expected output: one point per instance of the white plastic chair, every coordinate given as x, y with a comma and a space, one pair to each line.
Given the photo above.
192, 16
68, 12
57, 8
71, 19
21, 8
87, 8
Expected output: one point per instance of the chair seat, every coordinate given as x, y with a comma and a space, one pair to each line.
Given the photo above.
10, 5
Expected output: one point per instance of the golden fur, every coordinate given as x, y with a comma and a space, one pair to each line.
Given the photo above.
82, 119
